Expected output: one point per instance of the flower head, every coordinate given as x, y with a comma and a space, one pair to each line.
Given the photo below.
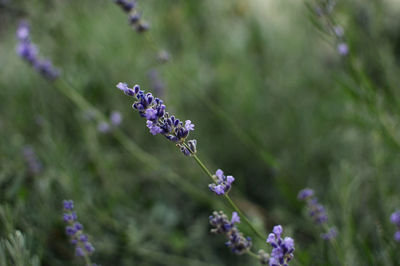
343, 48
115, 118
282, 249
29, 52
32, 161
222, 225
134, 16
316, 211
395, 219
222, 183
159, 121
305, 194
74, 230
331, 234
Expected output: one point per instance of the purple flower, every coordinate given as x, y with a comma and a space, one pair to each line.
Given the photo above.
222, 225
305, 194
343, 49
28, 51
151, 114
331, 234
154, 129
23, 31
74, 230
397, 236
235, 218
79, 252
68, 205
33, 163
103, 127
122, 86
189, 126
70, 230
222, 183
159, 121
316, 211
282, 249
339, 31
115, 118
277, 230
395, 218
134, 15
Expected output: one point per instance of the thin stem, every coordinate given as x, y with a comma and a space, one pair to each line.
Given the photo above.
205, 169
230, 201
254, 255
245, 218
87, 260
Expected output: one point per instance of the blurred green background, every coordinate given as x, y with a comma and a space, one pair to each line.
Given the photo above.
273, 103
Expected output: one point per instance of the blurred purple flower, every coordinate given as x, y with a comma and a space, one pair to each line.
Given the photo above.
134, 16
74, 230
103, 127
29, 52
395, 219
343, 49
34, 165
115, 118
222, 225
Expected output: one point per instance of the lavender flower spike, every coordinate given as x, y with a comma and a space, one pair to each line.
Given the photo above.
34, 165
134, 16
395, 219
29, 52
222, 183
222, 225
159, 121
316, 211
282, 249
74, 230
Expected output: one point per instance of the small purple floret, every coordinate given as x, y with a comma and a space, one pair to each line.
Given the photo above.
343, 49
222, 225
282, 249
222, 183
74, 230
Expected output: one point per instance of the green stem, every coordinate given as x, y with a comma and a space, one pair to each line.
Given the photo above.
245, 218
230, 201
205, 169
87, 260
252, 254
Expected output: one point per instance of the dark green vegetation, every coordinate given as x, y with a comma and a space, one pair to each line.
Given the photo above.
273, 103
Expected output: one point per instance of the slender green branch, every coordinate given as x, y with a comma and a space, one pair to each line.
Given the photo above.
252, 254
205, 169
87, 260
245, 218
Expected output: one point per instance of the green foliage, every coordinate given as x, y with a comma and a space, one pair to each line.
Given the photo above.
273, 103
13, 251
